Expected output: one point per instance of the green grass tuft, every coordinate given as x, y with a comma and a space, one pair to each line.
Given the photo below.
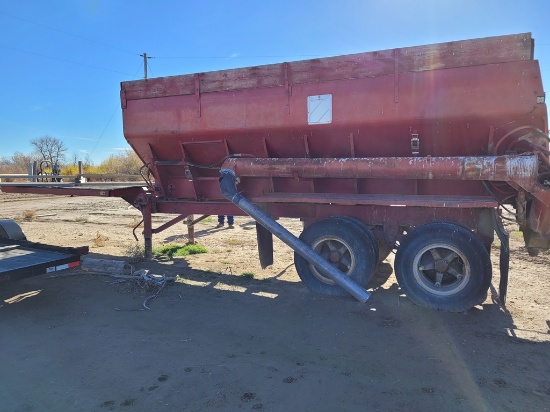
517, 234
248, 275
170, 250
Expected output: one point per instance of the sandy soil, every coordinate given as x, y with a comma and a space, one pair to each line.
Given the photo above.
217, 340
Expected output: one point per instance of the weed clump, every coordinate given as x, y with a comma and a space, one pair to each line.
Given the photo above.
135, 252
136, 222
28, 215
100, 240
171, 250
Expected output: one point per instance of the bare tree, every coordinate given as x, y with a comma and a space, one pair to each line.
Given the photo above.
83, 157
88, 162
126, 162
74, 159
50, 149
16, 163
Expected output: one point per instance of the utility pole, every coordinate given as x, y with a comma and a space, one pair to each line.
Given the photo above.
144, 55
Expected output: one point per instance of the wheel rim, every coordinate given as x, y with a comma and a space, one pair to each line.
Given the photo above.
338, 253
441, 269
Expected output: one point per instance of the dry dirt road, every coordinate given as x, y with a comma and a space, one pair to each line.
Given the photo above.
219, 341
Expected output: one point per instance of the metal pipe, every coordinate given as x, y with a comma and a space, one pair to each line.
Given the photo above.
31, 177
493, 168
71, 184
228, 188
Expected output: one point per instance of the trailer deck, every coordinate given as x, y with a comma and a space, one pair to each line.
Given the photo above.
21, 259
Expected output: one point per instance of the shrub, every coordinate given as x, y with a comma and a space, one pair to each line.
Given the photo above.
28, 215
135, 252
100, 240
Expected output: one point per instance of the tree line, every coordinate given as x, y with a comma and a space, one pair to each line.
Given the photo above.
50, 154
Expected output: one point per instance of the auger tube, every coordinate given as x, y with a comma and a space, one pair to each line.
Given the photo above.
228, 188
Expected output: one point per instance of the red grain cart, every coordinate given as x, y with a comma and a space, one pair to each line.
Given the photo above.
414, 149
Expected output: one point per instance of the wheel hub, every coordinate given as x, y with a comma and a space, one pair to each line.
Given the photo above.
441, 269
334, 257
337, 252
441, 265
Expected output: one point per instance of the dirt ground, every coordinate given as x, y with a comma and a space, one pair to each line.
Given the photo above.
217, 340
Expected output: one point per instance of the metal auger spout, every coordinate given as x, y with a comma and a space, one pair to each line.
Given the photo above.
228, 188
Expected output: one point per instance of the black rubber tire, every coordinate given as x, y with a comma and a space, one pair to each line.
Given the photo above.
443, 266
533, 251
383, 251
367, 232
357, 254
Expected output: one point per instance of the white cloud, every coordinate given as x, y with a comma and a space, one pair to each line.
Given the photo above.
84, 138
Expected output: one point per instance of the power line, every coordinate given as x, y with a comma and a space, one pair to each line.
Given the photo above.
64, 60
236, 57
158, 57
112, 115
67, 33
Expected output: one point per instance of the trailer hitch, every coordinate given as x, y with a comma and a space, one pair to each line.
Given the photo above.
228, 182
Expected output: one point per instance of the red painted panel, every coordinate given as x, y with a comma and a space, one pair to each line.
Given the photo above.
460, 98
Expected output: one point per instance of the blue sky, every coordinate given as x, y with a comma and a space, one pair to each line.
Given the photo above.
62, 61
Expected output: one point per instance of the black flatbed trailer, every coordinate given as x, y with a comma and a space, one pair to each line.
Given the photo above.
21, 259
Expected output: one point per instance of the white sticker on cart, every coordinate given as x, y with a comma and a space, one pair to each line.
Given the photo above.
319, 109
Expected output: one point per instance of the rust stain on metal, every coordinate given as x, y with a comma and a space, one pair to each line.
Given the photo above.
497, 168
